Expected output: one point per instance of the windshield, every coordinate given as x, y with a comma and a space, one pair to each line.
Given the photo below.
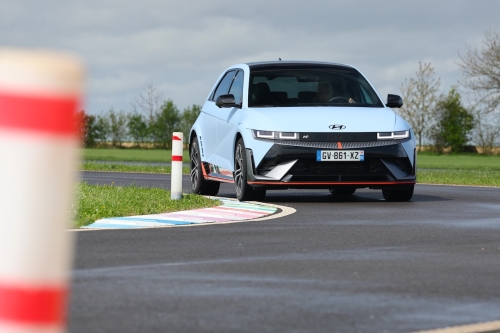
336, 86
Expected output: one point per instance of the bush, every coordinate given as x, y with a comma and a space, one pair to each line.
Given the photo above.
138, 129
164, 123
454, 123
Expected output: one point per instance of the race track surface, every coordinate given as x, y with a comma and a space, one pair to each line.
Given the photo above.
355, 265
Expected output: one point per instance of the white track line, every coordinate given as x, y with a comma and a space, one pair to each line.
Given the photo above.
473, 328
284, 212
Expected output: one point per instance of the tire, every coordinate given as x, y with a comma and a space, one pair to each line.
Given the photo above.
398, 195
343, 191
244, 192
200, 185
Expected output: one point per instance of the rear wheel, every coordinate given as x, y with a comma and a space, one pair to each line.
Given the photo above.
200, 185
244, 192
403, 194
343, 191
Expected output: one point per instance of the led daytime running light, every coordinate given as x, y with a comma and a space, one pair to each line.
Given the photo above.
272, 135
393, 135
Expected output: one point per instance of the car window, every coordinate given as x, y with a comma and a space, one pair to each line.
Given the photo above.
224, 85
237, 87
311, 87
365, 95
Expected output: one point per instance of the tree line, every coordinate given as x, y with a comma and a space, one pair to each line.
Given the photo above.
446, 120
149, 125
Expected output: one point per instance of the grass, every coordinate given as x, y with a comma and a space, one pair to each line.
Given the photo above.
464, 161
120, 167
130, 155
459, 177
100, 201
458, 169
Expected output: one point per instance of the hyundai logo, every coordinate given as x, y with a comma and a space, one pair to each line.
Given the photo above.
337, 127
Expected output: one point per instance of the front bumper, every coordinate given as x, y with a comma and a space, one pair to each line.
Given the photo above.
295, 166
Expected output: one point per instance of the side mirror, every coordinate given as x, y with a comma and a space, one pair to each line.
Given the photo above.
226, 101
394, 101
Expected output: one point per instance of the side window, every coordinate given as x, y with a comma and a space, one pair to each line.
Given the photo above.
237, 87
224, 85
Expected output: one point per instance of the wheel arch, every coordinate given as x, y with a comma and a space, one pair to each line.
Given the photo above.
192, 135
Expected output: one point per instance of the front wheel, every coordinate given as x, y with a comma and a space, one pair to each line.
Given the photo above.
244, 192
404, 194
200, 185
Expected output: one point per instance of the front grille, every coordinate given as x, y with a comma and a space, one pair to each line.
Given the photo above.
372, 170
308, 170
334, 145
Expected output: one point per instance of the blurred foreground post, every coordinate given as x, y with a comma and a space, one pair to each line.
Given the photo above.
176, 174
40, 92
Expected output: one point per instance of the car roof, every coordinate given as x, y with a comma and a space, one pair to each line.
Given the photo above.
294, 64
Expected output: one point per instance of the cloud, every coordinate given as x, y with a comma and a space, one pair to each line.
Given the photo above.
182, 47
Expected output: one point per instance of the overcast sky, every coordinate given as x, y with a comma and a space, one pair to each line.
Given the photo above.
182, 46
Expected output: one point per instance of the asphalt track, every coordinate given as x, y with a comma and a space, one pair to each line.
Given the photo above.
355, 265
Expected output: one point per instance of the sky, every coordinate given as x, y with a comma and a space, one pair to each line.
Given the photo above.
181, 47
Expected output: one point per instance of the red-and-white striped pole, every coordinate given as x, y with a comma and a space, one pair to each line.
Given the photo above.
176, 175
40, 92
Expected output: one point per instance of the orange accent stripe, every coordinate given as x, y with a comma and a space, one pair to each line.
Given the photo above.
340, 145
331, 183
203, 170
222, 180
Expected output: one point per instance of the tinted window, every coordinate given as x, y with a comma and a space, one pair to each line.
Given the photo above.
225, 83
237, 87
336, 86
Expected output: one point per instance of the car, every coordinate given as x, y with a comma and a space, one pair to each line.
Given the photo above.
300, 125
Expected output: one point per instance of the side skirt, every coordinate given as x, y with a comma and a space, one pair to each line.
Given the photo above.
216, 173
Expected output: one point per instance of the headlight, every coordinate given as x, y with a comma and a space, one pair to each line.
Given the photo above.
274, 135
393, 135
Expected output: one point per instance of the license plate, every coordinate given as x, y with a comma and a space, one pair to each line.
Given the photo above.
340, 155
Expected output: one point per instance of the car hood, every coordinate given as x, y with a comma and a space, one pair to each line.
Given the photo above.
318, 119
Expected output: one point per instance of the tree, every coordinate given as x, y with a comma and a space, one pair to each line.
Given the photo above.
481, 74
87, 129
138, 128
420, 96
84, 123
117, 127
486, 133
481, 71
454, 123
165, 123
149, 102
101, 128
188, 117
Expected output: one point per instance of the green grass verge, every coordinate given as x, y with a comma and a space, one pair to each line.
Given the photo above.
97, 202
117, 167
459, 177
459, 169
132, 155
427, 160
